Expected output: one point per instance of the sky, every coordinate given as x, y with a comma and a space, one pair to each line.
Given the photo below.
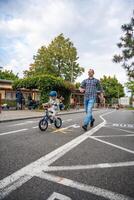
94, 27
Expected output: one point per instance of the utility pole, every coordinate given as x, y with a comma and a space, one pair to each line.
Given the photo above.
118, 95
0, 94
72, 72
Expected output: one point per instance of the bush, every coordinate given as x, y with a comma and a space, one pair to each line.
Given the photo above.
45, 84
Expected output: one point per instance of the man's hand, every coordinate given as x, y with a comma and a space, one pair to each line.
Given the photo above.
46, 105
82, 90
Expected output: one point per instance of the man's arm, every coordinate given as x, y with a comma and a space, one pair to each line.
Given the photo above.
82, 86
100, 89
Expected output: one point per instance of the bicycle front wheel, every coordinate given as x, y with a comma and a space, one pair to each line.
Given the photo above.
58, 122
43, 124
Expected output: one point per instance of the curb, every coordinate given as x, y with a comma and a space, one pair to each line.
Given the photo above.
34, 117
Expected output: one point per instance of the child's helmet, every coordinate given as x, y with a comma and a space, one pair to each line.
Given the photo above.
53, 94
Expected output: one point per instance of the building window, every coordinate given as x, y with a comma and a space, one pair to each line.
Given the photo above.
8, 95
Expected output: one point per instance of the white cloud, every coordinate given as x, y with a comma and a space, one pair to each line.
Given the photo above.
102, 65
93, 27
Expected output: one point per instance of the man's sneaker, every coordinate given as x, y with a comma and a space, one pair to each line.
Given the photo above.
84, 127
92, 123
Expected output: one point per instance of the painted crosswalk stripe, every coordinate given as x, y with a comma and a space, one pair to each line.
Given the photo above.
37, 166
16, 131
84, 187
83, 167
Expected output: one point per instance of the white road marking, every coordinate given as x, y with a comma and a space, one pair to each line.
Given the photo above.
83, 187
7, 183
66, 128
105, 136
111, 144
23, 123
119, 129
83, 167
35, 127
67, 120
17, 183
58, 196
16, 131
121, 125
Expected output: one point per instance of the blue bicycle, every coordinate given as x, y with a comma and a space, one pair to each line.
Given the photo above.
43, 123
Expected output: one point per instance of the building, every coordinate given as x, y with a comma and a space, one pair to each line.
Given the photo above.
8, 94
76, 99
124, 101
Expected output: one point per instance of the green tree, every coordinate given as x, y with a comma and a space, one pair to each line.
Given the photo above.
126, 45
130, 86
58, 59
8, 75
112, 88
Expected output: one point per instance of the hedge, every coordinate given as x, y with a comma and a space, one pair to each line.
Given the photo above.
45, 84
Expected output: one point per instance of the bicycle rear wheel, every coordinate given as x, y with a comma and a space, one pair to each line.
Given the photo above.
43, 124
58, 122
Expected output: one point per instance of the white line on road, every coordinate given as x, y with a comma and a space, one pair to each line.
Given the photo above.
119, 129
113, 145
83, 167
83, 187
44, 161
105, 136
35, 127
23, 123
67, 120
16, 131
58, 196
17, 183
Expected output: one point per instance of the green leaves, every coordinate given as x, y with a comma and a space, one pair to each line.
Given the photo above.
130, 86
112, 88
126, 46
58, 59
8, 75
46, 83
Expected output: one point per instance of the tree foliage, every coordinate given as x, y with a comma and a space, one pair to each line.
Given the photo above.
112, 88
126, 45
130, 86
58, 59
8, 75
45, 84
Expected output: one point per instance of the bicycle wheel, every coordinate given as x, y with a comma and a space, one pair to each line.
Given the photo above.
58, 122
43, 124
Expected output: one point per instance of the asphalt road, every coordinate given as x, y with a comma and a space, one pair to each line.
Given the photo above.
68, 163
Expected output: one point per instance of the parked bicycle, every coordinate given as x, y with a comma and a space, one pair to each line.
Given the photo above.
43, 123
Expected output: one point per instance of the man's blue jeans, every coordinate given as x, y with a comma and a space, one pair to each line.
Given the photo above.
88, 104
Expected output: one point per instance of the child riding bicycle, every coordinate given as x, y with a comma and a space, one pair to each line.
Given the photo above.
53, 104
51, 109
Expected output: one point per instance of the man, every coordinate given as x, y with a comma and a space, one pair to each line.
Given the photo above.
90, 86
19, 97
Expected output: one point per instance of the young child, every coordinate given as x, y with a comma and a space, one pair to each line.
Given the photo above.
53, 104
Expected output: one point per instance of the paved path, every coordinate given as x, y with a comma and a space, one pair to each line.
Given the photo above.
68, 163
28, 114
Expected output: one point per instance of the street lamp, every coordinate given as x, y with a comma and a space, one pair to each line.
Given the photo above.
1, 67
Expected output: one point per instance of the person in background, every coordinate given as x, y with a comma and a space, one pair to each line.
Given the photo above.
90, 87
61, 105
19, 97
30, 101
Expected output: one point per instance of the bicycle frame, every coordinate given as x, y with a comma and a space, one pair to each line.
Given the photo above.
47, 115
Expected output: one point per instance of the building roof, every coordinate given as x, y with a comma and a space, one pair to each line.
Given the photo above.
6, 81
